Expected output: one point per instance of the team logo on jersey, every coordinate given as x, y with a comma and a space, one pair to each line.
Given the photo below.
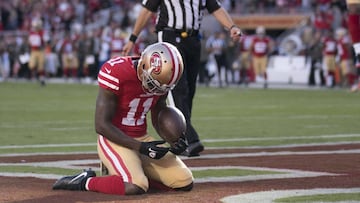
155, 63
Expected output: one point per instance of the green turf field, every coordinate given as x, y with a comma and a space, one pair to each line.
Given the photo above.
337, 197
60, 118
64, 113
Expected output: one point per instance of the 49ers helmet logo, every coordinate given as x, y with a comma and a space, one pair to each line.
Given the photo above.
155, 63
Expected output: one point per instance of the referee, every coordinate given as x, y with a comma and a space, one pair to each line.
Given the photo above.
179, 23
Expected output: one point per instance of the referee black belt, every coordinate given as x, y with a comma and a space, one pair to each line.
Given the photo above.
183, 33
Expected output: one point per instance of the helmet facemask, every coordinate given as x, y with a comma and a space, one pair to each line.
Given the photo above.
153, 86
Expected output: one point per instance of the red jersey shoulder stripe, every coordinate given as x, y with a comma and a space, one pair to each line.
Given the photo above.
108, 80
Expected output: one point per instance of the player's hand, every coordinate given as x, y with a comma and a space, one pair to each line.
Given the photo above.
235, 33
153, 151
179, 147
127, 48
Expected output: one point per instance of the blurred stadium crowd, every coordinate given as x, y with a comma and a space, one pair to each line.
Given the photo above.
72, 38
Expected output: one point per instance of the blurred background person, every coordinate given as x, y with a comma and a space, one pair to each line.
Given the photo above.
344, 52
4, 61
81, 52
23, 58
217, 46
105, 47
37, 55
69, 57
261, 48
52, 63
204, 77
313, 53
353, 7
231, 58
245, 59
89, 67
329, 51
117, 43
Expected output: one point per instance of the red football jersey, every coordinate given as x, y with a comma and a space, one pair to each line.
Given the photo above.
260, 46
342, 47
329, 46
245, 43
117, 44
36, 40
119, 76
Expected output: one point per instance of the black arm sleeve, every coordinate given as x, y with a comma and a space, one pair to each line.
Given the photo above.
151, 5
212, 5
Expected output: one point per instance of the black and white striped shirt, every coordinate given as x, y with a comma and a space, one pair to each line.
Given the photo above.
180, 14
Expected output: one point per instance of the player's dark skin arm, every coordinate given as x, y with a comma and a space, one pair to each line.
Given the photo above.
105, 110
106, 103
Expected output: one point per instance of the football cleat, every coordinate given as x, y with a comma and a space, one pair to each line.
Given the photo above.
76, 182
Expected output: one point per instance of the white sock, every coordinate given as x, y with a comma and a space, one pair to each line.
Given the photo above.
87, 184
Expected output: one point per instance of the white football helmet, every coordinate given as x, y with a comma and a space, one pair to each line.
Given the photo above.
160, 68
260, 30
340, 32
36, 23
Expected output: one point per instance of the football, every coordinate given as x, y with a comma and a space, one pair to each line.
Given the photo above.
171, 124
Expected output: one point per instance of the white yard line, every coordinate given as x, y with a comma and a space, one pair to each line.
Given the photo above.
289, 145
211, 156
217, 140
66, 164
81, 164
281, 138
286, 173
292, 117
270, 196
47, 145
281, 153
45, 153
34, 175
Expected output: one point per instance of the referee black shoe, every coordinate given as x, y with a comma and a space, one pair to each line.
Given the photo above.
76, 182
193, 149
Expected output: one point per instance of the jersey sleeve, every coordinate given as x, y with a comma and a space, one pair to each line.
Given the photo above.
108, 78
